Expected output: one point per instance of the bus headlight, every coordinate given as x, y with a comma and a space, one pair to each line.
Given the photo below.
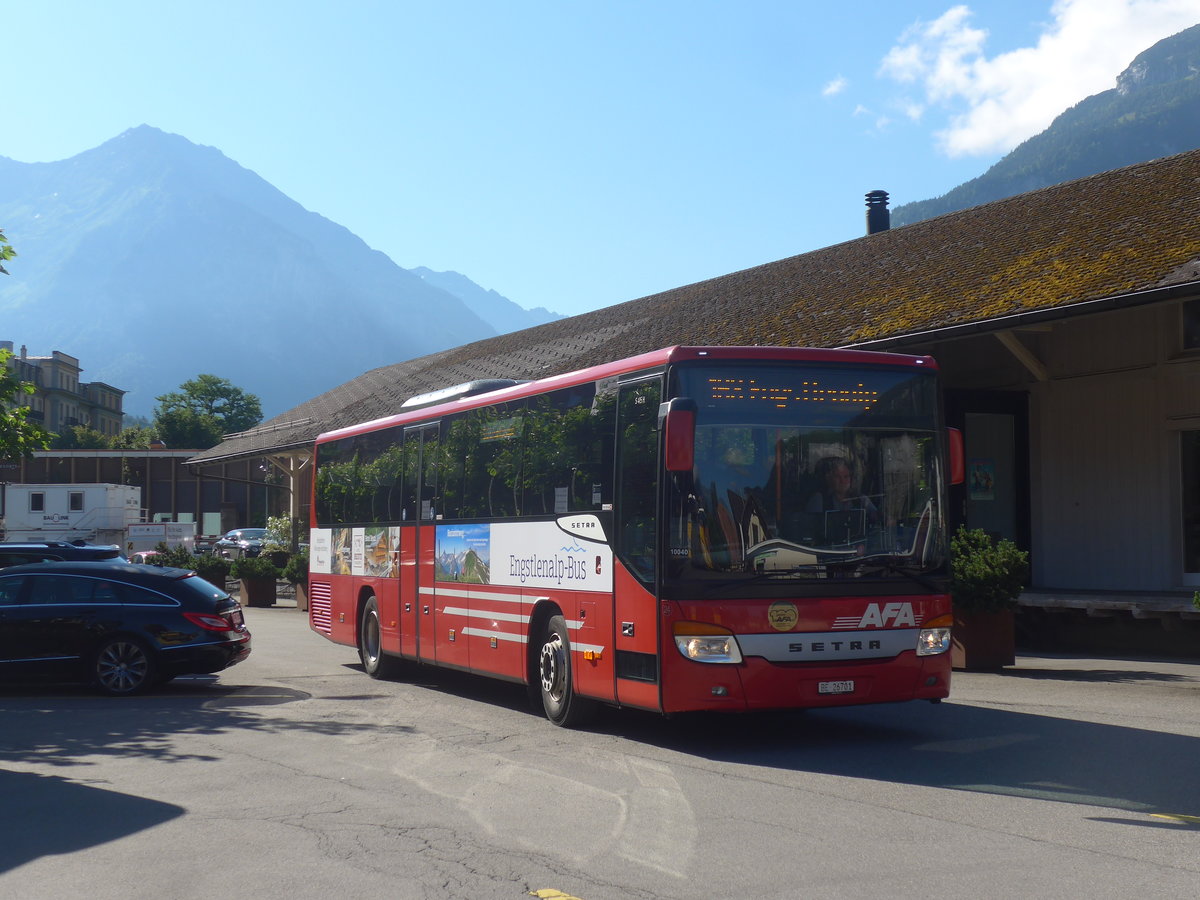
934, 638
706, 643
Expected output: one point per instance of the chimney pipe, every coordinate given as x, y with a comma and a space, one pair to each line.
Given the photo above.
878, 217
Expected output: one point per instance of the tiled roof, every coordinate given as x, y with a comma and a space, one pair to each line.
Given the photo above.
1119, 232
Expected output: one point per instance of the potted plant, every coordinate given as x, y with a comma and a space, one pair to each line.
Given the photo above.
257, 576
296, 572
277, 540
213, 569
987, 577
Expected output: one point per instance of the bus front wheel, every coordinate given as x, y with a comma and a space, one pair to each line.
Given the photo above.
563, 706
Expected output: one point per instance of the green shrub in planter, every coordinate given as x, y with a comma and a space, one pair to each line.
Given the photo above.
213, 569
177, 557
986, 575
278, 538
253, 567
296, 570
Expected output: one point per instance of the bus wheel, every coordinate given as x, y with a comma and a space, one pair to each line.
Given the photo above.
563, 707
370, 644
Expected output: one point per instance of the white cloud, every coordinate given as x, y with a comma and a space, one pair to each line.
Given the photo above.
835, 87
995, 103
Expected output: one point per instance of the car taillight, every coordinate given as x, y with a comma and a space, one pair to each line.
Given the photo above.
210, 621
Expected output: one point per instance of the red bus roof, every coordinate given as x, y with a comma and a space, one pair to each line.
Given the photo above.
653, 359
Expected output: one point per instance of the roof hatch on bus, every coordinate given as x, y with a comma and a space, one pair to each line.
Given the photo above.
457, 391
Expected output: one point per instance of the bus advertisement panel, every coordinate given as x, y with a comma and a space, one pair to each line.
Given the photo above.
693, 529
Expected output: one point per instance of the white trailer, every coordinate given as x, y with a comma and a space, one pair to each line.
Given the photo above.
94, 513
140, 538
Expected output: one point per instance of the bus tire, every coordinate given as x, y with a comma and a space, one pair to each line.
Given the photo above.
563, 706
370, 643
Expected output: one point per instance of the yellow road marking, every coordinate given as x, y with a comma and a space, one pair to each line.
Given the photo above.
1176, 817
551, 894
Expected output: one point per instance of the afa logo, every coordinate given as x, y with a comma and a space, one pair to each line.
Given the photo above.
880, 615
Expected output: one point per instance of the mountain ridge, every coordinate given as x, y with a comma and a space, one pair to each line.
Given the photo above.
149, 228
1152, 112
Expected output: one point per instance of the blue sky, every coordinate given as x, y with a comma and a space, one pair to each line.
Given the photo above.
573, 155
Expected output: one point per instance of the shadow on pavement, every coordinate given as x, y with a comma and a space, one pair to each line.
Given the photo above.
45, 816
957, 747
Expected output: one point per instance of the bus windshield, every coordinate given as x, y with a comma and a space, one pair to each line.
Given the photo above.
807, 473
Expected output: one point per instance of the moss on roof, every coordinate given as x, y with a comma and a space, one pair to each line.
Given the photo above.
1104, 236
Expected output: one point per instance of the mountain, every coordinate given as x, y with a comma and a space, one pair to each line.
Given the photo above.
152, 259
1153, 111
495, 309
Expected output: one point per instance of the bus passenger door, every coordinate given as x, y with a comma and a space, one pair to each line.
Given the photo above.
426, 531
417, 545
410, 596
636, 533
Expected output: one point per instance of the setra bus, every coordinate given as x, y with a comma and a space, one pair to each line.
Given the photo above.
695, 528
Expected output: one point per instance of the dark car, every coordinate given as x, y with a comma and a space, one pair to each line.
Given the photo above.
240, 542
14, 553
120, 626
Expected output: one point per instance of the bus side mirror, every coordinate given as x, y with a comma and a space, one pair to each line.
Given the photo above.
678, 421
958, 456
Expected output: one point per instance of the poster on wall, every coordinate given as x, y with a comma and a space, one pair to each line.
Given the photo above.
981, 479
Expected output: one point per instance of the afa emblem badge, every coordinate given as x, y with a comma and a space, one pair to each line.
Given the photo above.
783, 616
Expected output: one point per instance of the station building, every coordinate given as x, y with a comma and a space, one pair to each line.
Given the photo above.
1066, 322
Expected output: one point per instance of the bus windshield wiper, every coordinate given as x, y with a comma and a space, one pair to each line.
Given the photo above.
756, 577
894, 562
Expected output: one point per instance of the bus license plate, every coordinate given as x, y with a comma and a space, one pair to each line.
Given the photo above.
835, 687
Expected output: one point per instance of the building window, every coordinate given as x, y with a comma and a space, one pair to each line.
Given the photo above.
1191, 325
75, 501
37, 501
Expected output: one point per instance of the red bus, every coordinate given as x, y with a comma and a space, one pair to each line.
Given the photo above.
720, 528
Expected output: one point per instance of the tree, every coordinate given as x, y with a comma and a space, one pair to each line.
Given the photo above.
135, 437
6, 252
187, 428
19, 436
80, 437
204, 409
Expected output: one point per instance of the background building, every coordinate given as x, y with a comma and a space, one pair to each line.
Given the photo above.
60, 400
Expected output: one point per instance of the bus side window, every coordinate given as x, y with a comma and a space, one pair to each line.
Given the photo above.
429, 474
492, 462
408, 489
568, 458
455, 454
380, 467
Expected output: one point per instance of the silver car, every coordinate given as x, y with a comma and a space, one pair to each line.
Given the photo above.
240, 542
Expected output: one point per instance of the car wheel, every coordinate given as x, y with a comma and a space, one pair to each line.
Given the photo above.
122, 666
563, 706
370, 644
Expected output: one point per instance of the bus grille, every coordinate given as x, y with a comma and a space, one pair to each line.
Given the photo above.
320, 606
